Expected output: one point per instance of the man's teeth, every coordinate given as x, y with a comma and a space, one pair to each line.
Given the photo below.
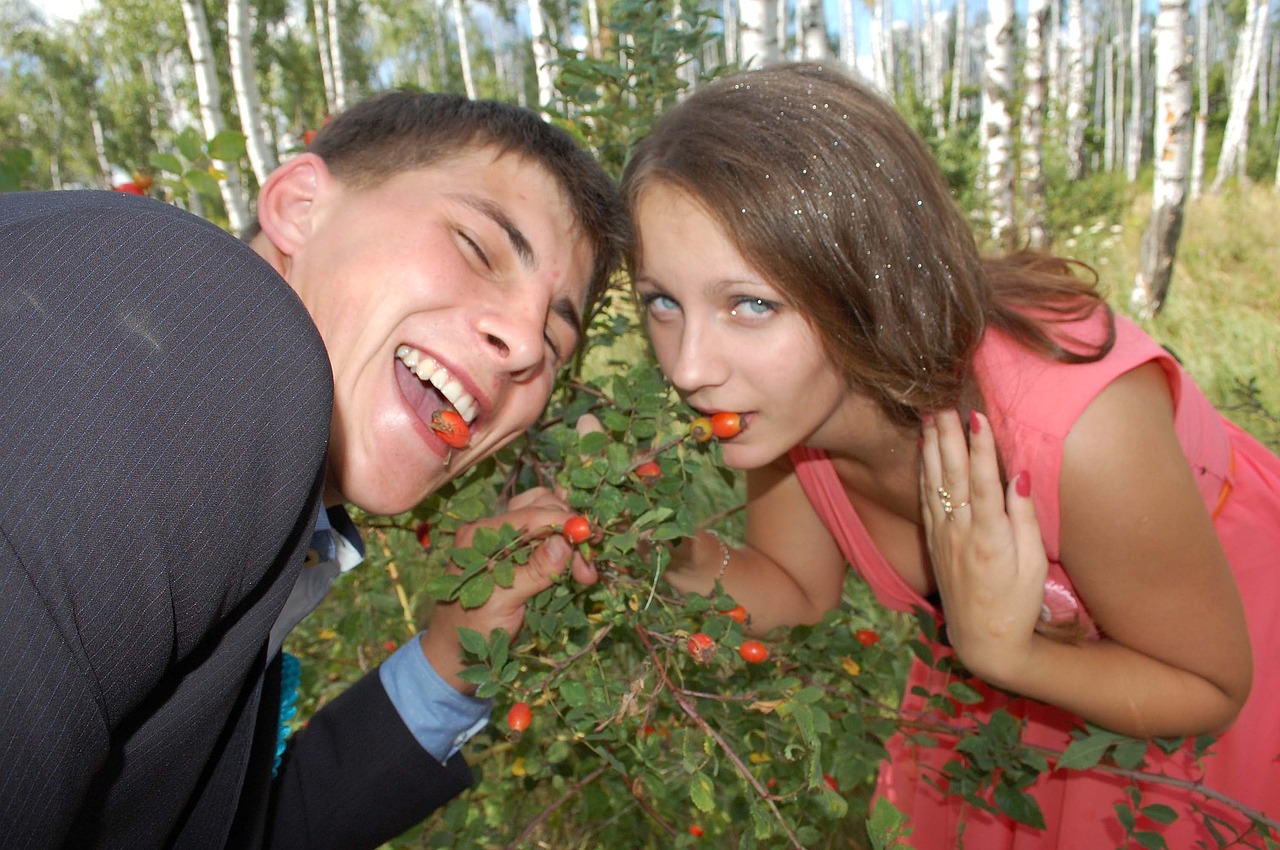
427, 369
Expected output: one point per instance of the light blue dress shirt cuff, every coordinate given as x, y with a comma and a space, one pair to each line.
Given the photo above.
438, 716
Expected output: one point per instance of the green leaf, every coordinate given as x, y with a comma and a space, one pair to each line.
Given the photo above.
1160, 813
1084, 753
574, 693
166, 162
201, 182
469, 559
227, 145
473, 642
1129, 752
477, 591
189, 144
700, 792
1150, 840
1021, 807
964, 694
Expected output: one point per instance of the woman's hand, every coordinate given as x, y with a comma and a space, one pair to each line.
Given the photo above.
988, 557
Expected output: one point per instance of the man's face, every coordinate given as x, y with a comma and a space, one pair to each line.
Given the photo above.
459, 285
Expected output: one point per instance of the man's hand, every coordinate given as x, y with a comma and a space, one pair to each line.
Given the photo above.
532, 510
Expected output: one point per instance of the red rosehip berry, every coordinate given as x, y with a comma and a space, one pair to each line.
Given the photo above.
737, 613
700, 429
831, 782
519, 716
577, 530
867, 637
726, 425
649, 472
451, 427
702, 647
753, 651
308, 137
128, 189
423, 533
389, 645
695, 831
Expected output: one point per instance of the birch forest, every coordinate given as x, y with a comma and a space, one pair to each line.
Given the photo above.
1016, 98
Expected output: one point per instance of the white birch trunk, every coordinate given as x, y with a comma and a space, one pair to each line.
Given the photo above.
780, 26
334, 27
1133, 152
1075, 112
758, 33
960, 65
210, 95
595, 49
1235, 137
262, 156
936, 65
541, 58
1172, 156
997, 130
731, 51
848, 36
1107, 113
879, 62
464, 47
814, 46
100, 146
1202, 105
322, 48
1032, 127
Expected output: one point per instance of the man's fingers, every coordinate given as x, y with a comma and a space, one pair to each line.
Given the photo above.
588, 424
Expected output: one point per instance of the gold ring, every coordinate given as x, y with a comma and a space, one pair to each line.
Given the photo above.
948, 506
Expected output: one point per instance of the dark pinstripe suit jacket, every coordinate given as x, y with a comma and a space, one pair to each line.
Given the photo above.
164, 412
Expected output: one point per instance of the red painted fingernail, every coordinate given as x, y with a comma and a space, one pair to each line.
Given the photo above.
975, 424
1023, 484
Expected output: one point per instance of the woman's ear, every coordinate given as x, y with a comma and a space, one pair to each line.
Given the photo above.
287, 201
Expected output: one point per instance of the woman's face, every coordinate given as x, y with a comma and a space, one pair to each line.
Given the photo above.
725, 337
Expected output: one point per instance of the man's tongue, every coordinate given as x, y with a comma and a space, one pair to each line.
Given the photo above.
424, 398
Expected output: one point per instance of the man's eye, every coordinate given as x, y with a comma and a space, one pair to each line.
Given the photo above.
476, 249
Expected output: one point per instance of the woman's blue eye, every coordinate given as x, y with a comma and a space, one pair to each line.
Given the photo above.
660, 303
753, 307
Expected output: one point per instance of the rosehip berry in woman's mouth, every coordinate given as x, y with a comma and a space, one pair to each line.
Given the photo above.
726, 425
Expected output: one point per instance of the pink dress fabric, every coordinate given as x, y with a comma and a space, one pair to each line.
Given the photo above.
1032, 404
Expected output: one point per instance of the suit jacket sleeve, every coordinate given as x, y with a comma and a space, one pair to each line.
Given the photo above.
164, 411
355, 777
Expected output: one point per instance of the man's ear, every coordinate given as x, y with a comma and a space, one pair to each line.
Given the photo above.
287, 201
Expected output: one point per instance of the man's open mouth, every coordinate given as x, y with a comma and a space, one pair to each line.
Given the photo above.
436, 387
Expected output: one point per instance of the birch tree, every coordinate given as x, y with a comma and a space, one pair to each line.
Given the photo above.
464, 47
1245, 75
1133, 152
960, 64
262, 156
848, 36
1202, 101
333, 27
1032, 127
320, 21
814, 46
209, 94
1172, 156
1075, 111
881, 46
997, 134
757, 32
541, 57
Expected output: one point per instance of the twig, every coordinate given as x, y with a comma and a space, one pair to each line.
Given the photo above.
564, 798
682, 700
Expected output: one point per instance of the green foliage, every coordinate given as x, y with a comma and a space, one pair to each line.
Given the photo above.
192, 169
15, 165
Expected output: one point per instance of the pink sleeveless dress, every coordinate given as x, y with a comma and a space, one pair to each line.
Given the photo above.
1032, 404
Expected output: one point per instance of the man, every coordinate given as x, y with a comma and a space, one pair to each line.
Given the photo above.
182, 418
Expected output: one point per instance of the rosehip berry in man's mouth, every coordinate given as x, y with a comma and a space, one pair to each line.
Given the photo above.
451, 427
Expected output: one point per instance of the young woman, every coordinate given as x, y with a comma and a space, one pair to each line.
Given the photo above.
978, 437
